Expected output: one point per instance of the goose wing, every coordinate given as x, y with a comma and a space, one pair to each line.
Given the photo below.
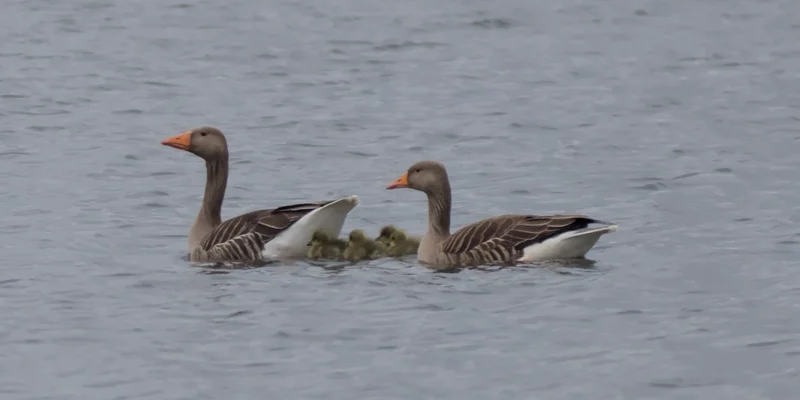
243, 237
498, 239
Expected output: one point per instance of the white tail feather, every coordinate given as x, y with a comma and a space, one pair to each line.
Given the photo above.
572, 244
293, 242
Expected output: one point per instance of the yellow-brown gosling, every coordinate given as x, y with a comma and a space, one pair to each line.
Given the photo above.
324, 247
401, 244
386, 234
360, 247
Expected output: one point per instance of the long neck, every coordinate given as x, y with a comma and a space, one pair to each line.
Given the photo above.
210, 216
439, 212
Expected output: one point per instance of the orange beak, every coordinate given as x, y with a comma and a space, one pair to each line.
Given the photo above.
401, 182
181, 141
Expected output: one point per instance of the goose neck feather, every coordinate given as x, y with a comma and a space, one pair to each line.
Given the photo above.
439, 204
210, 214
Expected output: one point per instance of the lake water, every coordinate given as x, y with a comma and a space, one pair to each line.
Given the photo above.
677, 120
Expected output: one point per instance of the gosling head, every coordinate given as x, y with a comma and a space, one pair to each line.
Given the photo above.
358, 236
386, 233
398, 236
320, 237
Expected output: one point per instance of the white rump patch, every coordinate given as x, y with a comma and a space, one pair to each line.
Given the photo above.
572, 244
292, 243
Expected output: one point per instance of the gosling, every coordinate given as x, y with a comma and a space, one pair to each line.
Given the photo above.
401, 244
386, 234
359, 247
324, 247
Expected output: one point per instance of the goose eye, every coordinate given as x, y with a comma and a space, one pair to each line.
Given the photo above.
202, 133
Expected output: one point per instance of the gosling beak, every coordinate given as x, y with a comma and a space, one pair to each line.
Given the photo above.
400, 183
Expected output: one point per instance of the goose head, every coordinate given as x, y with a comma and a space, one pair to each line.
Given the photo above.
425, 176
205, 142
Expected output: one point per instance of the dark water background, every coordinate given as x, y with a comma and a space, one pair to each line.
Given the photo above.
678, 120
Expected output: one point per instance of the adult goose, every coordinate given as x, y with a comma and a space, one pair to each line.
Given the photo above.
505, 239
282, 232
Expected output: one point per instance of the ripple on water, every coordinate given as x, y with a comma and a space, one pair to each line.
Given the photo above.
678, 383
128, 111
769, 343
160, 84
147, 194
152, 205
686, 175
653, 187
31, 212
360, 153
13, 153
493, 23
160, 173
42, 111
407, 45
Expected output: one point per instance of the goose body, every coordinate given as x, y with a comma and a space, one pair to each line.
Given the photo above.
282, 232
278, 233
505, 239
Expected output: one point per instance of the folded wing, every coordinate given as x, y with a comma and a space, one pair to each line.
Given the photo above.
503, 238
242, 238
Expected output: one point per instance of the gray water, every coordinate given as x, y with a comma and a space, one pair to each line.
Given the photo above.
677, 120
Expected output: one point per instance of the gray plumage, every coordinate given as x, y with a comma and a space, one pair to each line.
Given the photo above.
497, 240
243, 238
240, 238
502, 239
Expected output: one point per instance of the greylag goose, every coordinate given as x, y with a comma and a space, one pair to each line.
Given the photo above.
504, 239
283, 232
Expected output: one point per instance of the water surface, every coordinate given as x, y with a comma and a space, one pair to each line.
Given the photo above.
678, 120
